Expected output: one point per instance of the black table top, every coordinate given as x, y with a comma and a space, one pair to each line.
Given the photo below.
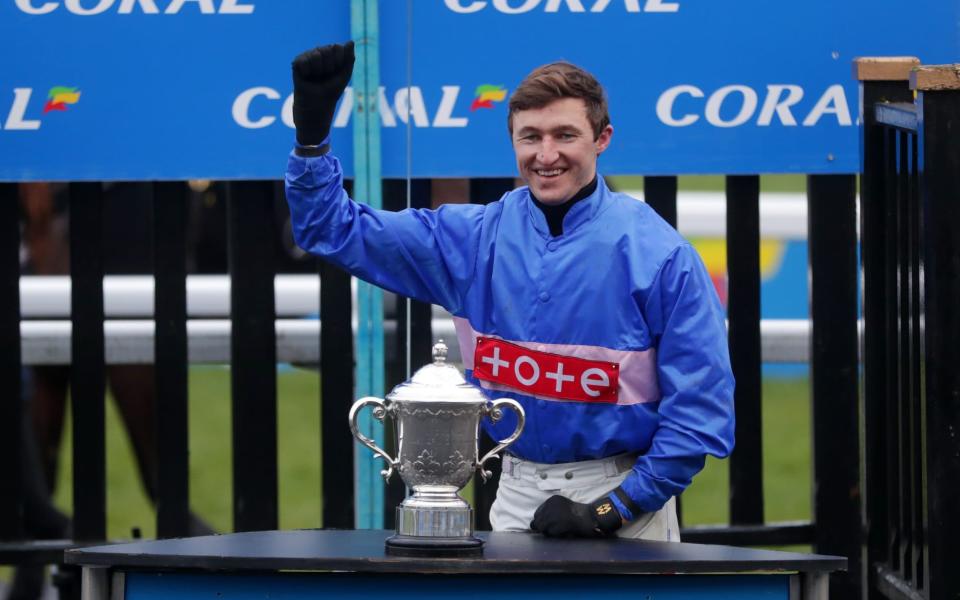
363, 551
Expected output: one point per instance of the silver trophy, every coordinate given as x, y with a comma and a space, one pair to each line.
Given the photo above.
436, 415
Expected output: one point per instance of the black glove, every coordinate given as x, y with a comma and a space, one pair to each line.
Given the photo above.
319, 77
562, 517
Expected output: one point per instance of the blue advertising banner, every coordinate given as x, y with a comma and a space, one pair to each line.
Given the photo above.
177, 89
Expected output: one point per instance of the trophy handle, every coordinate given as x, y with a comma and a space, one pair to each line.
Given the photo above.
494, 410
379, 413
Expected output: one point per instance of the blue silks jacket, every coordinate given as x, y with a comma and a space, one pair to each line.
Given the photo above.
619, 285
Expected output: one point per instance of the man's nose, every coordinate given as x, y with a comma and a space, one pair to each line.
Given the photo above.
548, 152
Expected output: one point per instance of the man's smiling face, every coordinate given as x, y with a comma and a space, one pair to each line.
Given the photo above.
556, 150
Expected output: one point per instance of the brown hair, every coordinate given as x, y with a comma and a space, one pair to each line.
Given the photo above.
559, 80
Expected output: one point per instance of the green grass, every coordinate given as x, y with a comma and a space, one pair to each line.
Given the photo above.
211, 475
786, 447
786, 431
787, 437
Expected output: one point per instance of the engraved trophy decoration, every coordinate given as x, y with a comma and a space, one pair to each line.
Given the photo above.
436, 415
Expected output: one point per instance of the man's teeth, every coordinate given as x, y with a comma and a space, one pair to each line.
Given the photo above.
550, 173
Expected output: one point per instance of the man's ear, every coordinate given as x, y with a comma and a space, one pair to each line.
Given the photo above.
603, 140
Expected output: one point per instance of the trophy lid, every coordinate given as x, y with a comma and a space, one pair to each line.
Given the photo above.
437, 382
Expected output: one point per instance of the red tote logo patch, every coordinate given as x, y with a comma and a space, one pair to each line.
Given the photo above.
545, 374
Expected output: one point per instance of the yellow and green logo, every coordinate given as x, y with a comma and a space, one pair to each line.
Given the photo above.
59, 97
486, 95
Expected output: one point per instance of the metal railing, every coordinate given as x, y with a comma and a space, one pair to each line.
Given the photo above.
130, 331
910, 455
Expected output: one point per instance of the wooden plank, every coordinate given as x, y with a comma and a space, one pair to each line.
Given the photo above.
935, 77
884, 68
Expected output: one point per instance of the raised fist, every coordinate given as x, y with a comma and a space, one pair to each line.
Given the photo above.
319, 78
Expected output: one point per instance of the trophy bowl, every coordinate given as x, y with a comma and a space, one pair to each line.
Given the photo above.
436, 416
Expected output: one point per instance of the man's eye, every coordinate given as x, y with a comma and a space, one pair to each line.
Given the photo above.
566, 136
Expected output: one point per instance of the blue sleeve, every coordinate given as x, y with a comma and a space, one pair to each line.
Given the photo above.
428, 255
625, 512
695, 378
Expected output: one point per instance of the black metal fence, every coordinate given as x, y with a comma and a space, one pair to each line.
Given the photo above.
910, 406
253, 355
902, 547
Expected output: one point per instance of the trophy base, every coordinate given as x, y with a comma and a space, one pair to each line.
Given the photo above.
416, 546
451, 519
441, 525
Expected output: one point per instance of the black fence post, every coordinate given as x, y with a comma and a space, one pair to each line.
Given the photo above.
660, 192
832, 244
337, 370
917, 389
253, 352
743, 310
87, 370
880, 80
891, 372
909, 435
170, 350
938, 106
11, 409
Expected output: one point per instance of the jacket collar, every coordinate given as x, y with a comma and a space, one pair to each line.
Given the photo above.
580, 214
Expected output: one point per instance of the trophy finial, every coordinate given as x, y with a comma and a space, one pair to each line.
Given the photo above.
439, 353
